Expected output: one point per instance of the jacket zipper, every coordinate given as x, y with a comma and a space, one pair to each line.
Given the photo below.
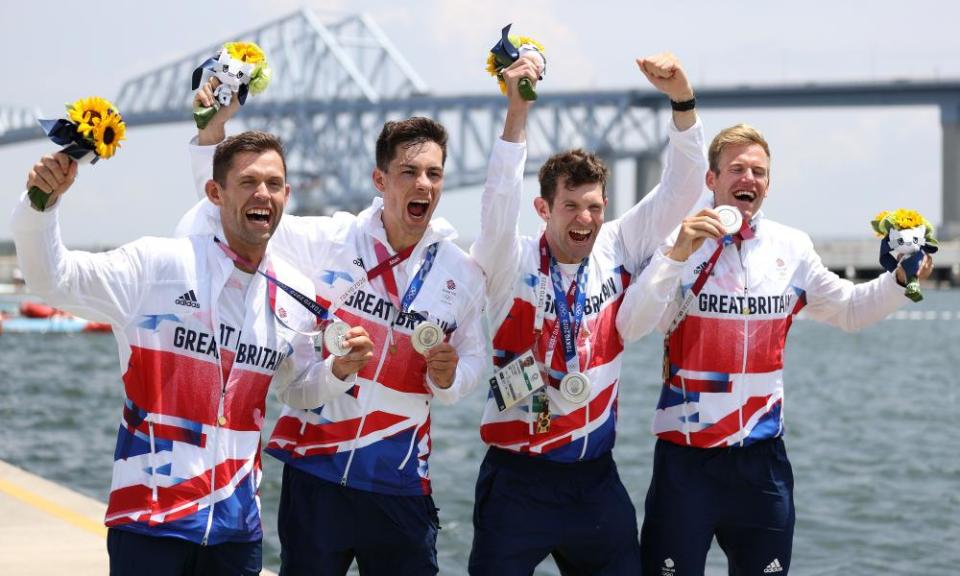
216, 425
366, 405
686, 410
746, 342
153, 462
213, 469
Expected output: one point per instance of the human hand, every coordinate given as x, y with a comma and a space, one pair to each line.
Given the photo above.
530, 66
926, 268
361, 351
693, 231
215, 130
53, 175
664, 72
442, 362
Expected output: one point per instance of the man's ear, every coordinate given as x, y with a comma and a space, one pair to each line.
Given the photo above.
711, 181
214, 194
542, 207
379, 180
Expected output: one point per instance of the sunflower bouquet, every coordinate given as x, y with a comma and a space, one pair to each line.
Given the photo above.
906, 237
241, 68
92, 130
507, 51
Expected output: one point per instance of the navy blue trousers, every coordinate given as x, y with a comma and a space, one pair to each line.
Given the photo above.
528, 508
133, 554
743, 496
323, 527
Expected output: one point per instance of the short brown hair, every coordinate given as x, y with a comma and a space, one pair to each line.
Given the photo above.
734, 135
249, 141
578, 166
406, 133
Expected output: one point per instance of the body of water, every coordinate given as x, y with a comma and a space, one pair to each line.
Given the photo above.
870, 432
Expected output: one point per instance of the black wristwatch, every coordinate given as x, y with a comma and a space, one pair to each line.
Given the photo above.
683, 106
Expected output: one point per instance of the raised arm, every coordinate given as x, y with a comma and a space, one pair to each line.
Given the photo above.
103, 286
497, 247
644, 227
299, 240
204, 217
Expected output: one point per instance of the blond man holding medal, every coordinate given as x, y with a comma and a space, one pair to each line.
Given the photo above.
356, 481
548, 484
734, 280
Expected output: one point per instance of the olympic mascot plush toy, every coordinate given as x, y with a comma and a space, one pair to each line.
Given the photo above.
905, 237
241, 68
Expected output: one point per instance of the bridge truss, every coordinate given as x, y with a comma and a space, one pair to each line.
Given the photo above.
336, 83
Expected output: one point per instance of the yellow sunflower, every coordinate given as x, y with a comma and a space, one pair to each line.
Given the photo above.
493, 68
904, 218
247, 52
86, 113
108, 133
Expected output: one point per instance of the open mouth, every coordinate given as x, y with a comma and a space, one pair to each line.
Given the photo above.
418, 208
745, 195
579, 235
258, 215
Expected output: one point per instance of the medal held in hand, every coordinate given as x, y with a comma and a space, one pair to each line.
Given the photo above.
730, 217
334, 338
425, 336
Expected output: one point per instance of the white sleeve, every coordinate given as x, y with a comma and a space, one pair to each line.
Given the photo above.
849, 306
645, 226
649, 297
203, 217
497, 247
104, 286
470, 341
304, 381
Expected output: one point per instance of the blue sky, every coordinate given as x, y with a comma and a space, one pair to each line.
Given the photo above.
832, 169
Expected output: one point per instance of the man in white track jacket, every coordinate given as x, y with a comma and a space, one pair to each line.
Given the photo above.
356, 479
720, 466
548, 484
201, 333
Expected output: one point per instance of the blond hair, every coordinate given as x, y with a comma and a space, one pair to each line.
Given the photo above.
734, 135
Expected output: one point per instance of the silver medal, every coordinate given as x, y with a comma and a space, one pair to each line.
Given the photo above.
425, 336
730, 217
575, 387
334, 336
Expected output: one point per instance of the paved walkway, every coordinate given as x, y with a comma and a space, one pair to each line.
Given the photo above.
46, 529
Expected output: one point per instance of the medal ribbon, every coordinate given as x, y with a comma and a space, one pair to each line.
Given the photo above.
385, 268
568, 321
272, 284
